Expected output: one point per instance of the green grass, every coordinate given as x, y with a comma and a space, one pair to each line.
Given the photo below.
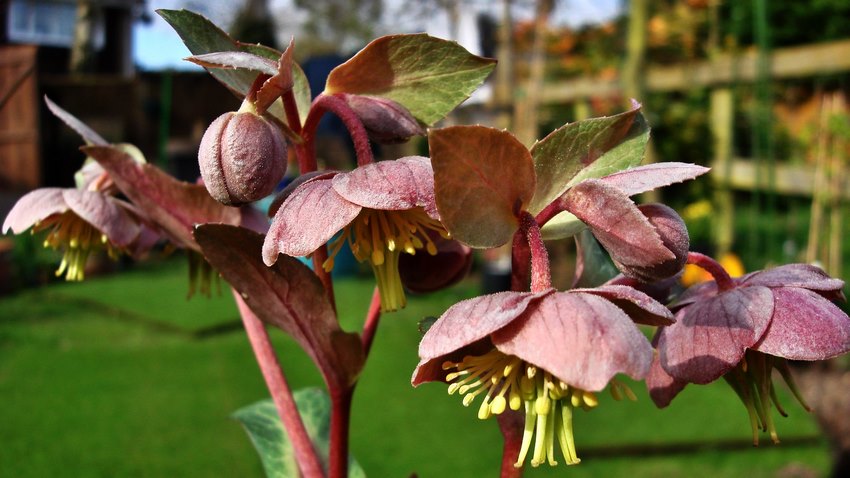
110, 378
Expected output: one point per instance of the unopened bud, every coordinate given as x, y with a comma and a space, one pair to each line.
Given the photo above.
674, 236
242, 158
385, 120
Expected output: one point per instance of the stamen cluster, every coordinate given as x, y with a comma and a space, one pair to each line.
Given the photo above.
509, 382
76, 238
380, 236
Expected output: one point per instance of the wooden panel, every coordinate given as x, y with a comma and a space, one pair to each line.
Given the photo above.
792, 179
793, 62
20, 166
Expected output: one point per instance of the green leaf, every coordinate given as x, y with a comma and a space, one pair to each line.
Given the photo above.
426, 75
595, 266
483, 179
585, 149
201, 36
263, 425
562, 226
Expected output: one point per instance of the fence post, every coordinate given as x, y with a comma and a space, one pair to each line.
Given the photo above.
722, 120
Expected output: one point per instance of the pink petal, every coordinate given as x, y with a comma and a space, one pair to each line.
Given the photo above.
104, 214
307, 219
805, 326
662, 387
695, 293
710, 336
652, 176
33, 207
798, 275
390, 185
582, 339
617, 223
640, 307
467, 322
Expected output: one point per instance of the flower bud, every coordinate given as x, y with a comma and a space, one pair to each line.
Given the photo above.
674, 236
385, 120
242, 158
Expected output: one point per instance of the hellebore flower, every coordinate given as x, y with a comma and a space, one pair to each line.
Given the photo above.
381, 209
78, 222
741, 329
545, 353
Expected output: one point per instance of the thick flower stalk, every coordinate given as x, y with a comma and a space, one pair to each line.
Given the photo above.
544, 354
742, 329
380, 210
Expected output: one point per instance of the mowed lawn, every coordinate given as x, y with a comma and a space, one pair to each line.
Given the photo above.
122, 376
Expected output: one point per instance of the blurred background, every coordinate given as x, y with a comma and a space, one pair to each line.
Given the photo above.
121, 376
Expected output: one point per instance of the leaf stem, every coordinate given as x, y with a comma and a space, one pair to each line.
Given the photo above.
293, 120
305, 454
510, 424
724, 281
355, 127
520, 263
340, 421
370, 325
541, 275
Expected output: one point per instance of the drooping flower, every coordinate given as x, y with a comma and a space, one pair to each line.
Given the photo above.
543, 353
743, 328
77, 222
381, 210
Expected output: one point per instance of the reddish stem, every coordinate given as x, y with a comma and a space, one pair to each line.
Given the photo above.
305, 455
541, 276
355, 127
520, 263
306, 160
511, 424
293, 119
724, 281
550, 211
370, 325
340, 421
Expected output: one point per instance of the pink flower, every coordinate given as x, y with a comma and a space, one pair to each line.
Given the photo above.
78, 222
545, 353
744, 328
381, 210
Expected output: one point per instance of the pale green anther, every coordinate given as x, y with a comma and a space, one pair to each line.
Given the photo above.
542, 405
453, 388
467, 399
575, 399
432, 249
515, 401
484, 410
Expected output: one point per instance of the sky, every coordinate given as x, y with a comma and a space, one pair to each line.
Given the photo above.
157, 46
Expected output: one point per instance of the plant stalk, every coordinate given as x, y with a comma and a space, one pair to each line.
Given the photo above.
724, 281
340, 422
355, 127
305, 454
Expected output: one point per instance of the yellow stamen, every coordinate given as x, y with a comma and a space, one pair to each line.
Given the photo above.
380, 236
76, 238
510, 382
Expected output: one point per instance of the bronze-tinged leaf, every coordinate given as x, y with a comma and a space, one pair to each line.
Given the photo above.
428, 76
88, 134
574, 148
235, 60
280, 82
287, 295
711, 335
175, 206
483, 179
653, 176
582, 339
617, 223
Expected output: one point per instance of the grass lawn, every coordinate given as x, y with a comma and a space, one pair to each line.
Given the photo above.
119, 377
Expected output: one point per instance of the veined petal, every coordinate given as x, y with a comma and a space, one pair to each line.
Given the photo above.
798, 275
391, 185
104, 214
663, 388
307, 219
582, 339
640, 307
710, 336
467, 322
805, 326
33, 207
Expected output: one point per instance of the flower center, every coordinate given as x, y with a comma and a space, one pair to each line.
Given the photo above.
509, 382
379, 236
77, 238
752, 381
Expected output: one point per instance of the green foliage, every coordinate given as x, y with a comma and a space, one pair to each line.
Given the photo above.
263, 425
